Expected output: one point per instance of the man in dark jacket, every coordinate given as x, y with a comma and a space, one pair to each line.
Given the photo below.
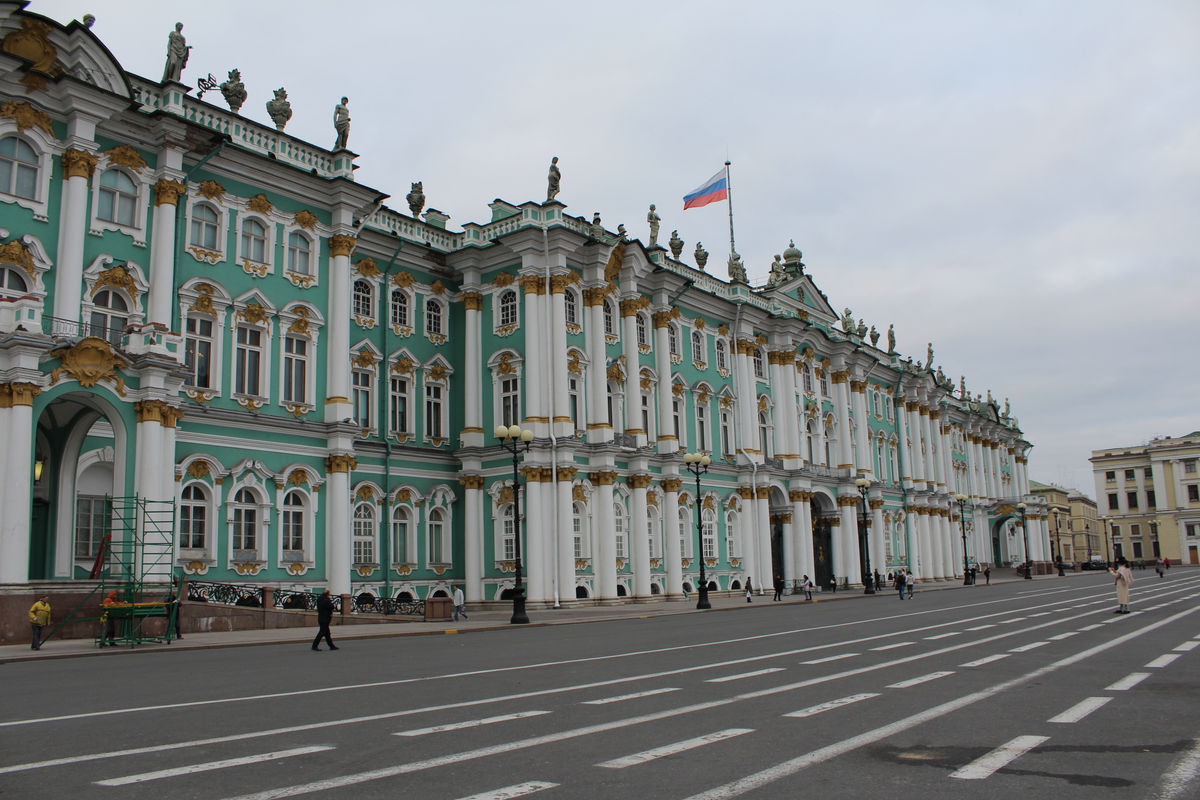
324, 617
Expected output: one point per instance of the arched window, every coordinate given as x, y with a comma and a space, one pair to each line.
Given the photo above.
829, 443
110, 315
673, 340
610, 327
764, 432
298, 253
702, 437
254, 241
510, 400
578, 530
760, 369
708, 531
439, 537
204, 227
400, 308
571, 306
619, 532
733, 548
433, 317
245, 522
508, 533
684, 528
508, 307
697, 346
643, 338
364, 305
364, 534
722, 355
402, 552
12, 283
117, 199
808, 380
18, 168
294, 537
193, 518
824, 383
653, 531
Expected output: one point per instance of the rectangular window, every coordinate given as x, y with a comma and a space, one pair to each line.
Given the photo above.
1189, 466
1135, 530
1129, 475
293, 530
191, 526
399, 405
92, 521
1110, 476
245, 527
1113, 503
1150, 504
1132, 499
702, 426
726, 433
295, 370
361, 380
1193, 493
508, 541
1148, 472
509, 401
433, 411
573, 402
1137, 548
199, 350
249, 361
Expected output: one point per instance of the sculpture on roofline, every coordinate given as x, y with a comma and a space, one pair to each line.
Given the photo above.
597, 229
701, 255
778, 275
874, 337
416, 199
279, 109
341, 124
929, 356
862, 328
891, 339
553, 179
622, 235
676, 245
848, 324
737, 271
654, 220
234, 91
177, 54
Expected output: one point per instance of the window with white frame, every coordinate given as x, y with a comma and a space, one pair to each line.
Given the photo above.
510, 400
439, 537
760, 368
830, 443
18, 168
299, 254
294, 525
362, 382
571, 306
620, 536
643, 331
702, 441
806, 376
109, 316
254, 241
364, 534
363, 302
727, 446
677, 410
401, 309
403, 543
245, 523
117, 198
193, 518
610, 325
579, 530
507, 308
733, 548
653, 531
673, 340
508, 533
764, 433
824, 383
433, 318
722, 355
400, 404
198, 351
205, 225
295, 369
248, 361
575, 401
12, 283
698, 347
684, 530
646, 415
93, 515
435, 411
708, 531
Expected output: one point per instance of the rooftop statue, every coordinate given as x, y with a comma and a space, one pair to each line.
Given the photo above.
341, 124
177, 54
416, 199
862, 328
737, 271
848, 321
279, 109
701, 255
891, 339
1006, 409
654, 220
553, 178
929, 356
597, 227
874, 337
676, 245
234, 90
622, 235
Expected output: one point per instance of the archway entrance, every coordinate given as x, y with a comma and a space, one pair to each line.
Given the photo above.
824, 514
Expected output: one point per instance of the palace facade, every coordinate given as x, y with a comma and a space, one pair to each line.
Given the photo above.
202, 311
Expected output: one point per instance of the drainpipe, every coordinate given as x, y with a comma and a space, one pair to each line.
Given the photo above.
550, 410
384, 386
903, 491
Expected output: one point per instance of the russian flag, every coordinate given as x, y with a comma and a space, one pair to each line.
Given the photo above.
714, 189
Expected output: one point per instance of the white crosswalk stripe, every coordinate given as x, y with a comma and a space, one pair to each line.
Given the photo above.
470, 723
999, 758
672, 749
832, 704
212, 765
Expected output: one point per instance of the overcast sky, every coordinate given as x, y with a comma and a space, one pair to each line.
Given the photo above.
1017, 182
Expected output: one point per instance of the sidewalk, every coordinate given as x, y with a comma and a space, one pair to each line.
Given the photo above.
479, 621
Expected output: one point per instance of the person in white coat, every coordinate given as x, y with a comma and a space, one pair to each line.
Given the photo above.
460, 604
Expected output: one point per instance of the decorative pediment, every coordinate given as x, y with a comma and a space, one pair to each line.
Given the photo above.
125, 156
90, 361
26, 116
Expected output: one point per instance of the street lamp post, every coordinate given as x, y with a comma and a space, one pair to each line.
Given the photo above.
1104, 525
515, 440
1087, 535
864, 545
697, 464
1025, 536
1058, 537
961, 499
1154, 537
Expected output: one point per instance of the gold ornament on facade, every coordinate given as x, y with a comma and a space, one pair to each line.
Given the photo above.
168, 192
403, 279
341, 245
437, 373
260, 204
505, 366
26, 116
18, 394
297, 410
305, 219
207, 256
841, 376
16, 253
403, 366
365, 359
709, 504
573, 365
253, 313
612, 270
646, 382
594, 297
506, 495
125, 156
199, 470
340, 463
438, 288
850, 500
203, 302
78, 164
249, 403
503, 279
602, 478
858, 386
579, 494
472, 301
671, 484
678, 389
298, 477
212, 190
88, 362
615, 374
532, 284
567, 473
367, 267
33, 82
199, 396
300, 325
117, 277
639, 481
257, 270
471, 481
365, 493
559, 283
149, 410
32, 43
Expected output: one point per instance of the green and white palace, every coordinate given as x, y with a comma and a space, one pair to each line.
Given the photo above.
203, 311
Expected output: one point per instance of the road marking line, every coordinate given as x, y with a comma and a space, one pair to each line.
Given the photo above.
516, 790
942, 636
1128, 682
892, 646
982, 627
1091, 627
470, 723
623, 697
1163, 660
1010, 621
1039, 614
671, 749
933, 676
792, 766
832, 704
1178, 782
827, 659
211, 765
999, 758
1186, 647
1027, 647
1080, 710
1062, 636
738, 677
979, 662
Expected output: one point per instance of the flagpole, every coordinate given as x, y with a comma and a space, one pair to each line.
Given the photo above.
729, 200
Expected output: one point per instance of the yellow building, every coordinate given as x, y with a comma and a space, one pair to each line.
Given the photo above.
1149, 498
1075, 531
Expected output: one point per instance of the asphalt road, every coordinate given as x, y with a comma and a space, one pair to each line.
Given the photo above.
1030, 689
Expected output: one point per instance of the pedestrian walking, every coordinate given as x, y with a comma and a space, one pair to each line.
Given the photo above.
1158, 567
1124, 579
778, 587
806, 584
39, 618
324, 617
749, 590
910, 582
878, 582
900, 582
460, 604
109, 636
987, 574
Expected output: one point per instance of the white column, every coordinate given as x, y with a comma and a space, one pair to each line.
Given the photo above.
16, 424
599, 428
633, 377
472, 432
78, 166
604, 565
566, 534
791, 406
747, 399
472, 537
338, 523
927, 553
851, 566
671, 552
802, 510
878, 547
536, 415
639, 534
167, 192
927, 459
917, 459
560, 403
764, 576
858, 397
667, 441
841, 403
904, 455
533, 529
790, 528
337, 354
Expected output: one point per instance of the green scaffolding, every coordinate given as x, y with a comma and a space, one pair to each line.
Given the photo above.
139, 567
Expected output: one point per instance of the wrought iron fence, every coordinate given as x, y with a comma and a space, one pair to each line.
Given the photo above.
367, 603
293, 600
226, 593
